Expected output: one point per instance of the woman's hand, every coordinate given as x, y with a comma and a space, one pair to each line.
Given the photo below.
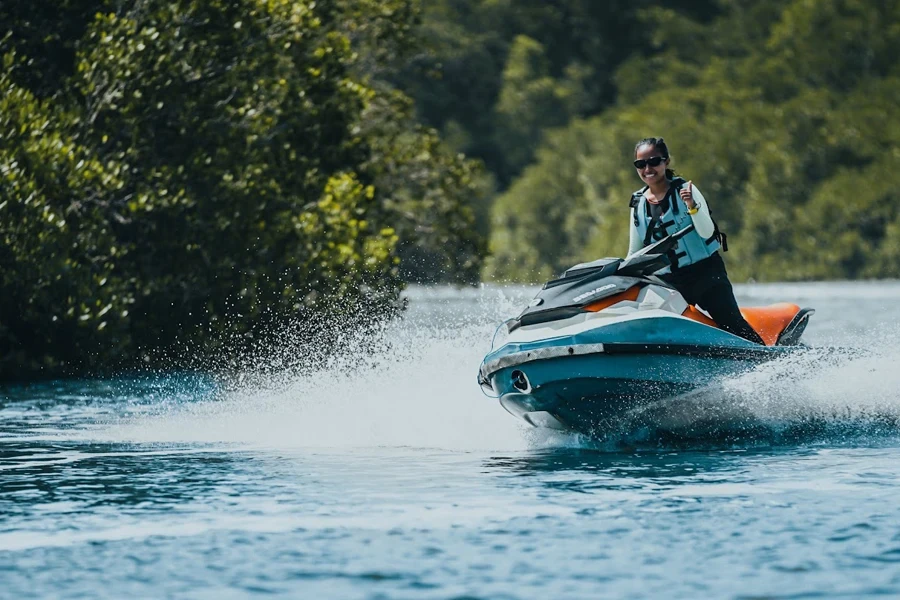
687, 194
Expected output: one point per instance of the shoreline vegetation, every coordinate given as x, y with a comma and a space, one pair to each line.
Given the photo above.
185, 181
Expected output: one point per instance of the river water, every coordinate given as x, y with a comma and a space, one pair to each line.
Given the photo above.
389, 475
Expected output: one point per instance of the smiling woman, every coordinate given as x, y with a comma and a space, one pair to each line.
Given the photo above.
667, 204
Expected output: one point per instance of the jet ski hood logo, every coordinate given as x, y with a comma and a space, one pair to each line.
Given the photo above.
586, 295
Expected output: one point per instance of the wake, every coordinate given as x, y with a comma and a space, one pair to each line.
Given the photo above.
834, 396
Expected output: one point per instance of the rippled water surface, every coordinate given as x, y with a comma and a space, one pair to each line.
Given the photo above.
389, 475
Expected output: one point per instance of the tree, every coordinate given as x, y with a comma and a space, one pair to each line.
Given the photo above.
214, 172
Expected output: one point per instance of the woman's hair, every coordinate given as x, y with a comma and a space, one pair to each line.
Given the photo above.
658, 144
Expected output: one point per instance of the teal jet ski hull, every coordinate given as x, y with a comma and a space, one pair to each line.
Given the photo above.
591, 380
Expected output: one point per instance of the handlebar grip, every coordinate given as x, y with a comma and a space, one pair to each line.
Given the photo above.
680, 234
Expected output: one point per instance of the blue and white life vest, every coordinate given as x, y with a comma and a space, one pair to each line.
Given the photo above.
691, 248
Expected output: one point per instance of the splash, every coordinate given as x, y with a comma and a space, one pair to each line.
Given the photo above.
414, 386
822, 395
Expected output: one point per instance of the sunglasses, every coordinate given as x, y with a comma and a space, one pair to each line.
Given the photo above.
653, 161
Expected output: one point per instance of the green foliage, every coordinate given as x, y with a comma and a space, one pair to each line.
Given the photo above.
495, 73
201, 172
785, 117
431, 197
57, 251
43, 35
530, 101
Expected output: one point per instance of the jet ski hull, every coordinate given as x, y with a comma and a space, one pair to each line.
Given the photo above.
589, 380
588, 393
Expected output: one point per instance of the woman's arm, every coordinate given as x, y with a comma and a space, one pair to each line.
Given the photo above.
703, 223
634, 242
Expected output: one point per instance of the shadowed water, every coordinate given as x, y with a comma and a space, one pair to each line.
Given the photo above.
396, 478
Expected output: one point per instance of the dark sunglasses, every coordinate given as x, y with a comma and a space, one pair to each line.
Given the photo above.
653, 161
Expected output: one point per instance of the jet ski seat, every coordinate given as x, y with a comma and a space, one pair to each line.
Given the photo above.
780, 323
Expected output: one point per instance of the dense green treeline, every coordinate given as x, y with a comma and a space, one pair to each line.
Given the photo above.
783, 112
179, 177
175, 176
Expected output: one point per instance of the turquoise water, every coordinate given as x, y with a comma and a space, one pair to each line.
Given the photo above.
391, 476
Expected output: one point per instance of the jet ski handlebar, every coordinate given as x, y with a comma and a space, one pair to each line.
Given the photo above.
680, 234
645, 260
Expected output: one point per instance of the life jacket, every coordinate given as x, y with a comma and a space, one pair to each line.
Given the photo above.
691, 248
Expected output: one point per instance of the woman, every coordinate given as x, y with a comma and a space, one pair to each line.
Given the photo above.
667, 204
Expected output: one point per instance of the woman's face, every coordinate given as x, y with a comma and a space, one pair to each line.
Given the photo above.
651, 174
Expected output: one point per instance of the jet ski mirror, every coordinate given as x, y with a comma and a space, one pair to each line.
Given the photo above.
652, 258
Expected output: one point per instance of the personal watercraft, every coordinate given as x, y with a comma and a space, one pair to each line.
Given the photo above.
609, 337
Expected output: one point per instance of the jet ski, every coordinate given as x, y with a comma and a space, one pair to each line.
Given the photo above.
609, 337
